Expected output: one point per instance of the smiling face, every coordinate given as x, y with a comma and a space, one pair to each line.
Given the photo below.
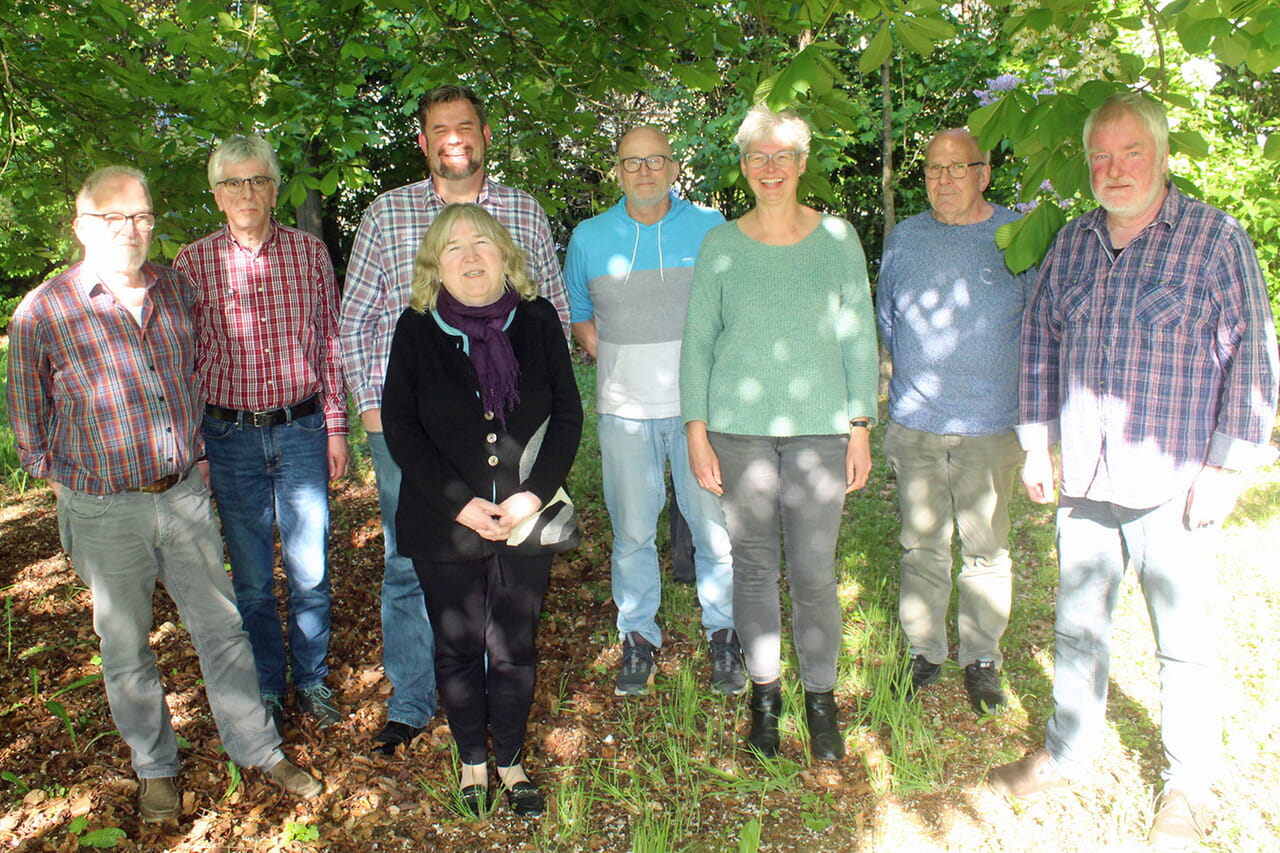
453, 140
114, 249
772, 182
248, 210
471, 266
957, 201
1126, 167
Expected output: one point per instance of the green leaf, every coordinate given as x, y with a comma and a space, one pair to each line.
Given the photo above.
915, 37
1026, 241
877, 51
77, 825
106, 837
1271, 150
698, 78
1188, 142
88, 679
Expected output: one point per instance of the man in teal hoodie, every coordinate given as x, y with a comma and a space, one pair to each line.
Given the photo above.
629, 272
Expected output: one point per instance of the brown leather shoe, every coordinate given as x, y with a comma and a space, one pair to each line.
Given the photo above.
1179, 823
157, 799
294, 780
1031, 775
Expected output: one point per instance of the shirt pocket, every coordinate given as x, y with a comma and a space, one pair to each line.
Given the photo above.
1163, 301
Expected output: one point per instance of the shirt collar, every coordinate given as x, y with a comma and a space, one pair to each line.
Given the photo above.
90, 283
485, 198
271, 237
1170, 209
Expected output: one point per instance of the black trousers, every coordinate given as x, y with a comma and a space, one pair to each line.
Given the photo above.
485, 616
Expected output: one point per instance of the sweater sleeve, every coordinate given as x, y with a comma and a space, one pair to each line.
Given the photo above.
702, 326
857, 332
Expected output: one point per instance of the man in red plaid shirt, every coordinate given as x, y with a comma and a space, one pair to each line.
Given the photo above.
275, 423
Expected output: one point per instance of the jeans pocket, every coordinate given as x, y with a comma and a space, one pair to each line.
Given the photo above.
84, 505
216, 430
313, 422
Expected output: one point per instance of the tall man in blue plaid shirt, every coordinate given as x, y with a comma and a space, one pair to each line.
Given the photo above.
1149, 354
454, 137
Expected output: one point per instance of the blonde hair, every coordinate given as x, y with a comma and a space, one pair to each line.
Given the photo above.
426, 264
1149, 113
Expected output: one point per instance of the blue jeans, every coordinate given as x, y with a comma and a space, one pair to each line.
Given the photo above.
120, 546
633, 455
265, 477
944, 482
1175, 568
408, 645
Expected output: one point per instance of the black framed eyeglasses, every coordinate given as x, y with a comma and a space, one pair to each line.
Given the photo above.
655, 162
956, 170
145, 221
259, 183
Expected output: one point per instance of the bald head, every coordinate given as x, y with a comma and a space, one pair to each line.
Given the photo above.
957, 201
646, 150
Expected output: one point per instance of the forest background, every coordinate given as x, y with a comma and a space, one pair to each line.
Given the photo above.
333, 85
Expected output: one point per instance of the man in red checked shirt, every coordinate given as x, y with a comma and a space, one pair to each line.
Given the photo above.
275, 425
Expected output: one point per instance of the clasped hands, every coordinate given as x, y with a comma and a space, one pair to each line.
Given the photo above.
496, 521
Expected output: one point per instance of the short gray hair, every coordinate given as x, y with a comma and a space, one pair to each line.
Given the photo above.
1150, 113
237, 149
105, 175
762, 122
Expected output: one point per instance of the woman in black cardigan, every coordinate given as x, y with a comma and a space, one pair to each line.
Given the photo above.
482, 414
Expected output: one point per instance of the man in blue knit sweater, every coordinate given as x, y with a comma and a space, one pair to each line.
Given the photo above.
949, 313
629, 272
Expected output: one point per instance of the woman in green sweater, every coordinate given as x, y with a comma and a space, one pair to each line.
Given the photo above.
778, 381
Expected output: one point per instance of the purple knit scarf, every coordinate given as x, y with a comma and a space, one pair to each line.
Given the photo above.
490, 348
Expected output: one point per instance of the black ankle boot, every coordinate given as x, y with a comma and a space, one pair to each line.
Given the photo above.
766, 707
825, 742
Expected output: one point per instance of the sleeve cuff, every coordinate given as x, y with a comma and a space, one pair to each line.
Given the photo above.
1037, 436
1237, 455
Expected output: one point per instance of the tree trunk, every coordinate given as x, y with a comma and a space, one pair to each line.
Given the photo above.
886, 148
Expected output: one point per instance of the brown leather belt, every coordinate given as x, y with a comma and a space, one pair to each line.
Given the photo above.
164, 484
275, 417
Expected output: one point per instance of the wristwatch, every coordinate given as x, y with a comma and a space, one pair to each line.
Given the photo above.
864, 423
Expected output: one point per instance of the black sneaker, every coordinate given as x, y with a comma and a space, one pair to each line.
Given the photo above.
728, 675
923, 673
393, 734
982, 681
275, 704
318, 702
636, 672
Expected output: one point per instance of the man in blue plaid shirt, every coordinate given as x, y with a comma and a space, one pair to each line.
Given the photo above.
454, 137
1149, 355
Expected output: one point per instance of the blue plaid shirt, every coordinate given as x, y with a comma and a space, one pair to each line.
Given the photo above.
380, 272
1150, 363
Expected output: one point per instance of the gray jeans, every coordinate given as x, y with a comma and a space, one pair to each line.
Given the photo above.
785, 492
947, 482
121, 544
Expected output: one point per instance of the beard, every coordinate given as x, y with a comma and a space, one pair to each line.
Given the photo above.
442, 169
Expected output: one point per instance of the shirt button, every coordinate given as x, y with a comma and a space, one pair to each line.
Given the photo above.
488, 416
493, 462
492, 438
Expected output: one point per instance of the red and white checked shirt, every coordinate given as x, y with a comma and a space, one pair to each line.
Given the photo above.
266, 323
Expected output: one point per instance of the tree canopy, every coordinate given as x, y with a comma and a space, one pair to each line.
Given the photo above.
333, 85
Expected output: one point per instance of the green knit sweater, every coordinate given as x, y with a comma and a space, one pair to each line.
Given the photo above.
780, 340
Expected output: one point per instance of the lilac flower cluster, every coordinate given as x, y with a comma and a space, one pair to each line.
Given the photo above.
1003, 83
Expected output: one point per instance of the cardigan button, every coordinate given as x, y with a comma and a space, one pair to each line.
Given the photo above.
492, 438
493, 462
488, 416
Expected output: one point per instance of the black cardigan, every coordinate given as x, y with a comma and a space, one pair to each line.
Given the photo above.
450, 450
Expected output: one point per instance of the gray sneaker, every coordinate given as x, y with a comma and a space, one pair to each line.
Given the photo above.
636, 673
318, 702
728, 675
157, 799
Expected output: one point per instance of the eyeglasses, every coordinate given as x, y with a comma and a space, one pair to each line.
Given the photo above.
654, 162
781, 159
145, 221
258, 182
955, 170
